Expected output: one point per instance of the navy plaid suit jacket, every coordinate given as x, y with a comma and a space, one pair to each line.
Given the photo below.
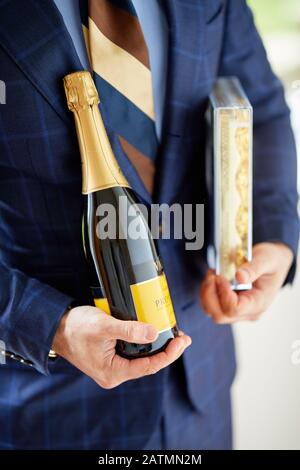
42, 267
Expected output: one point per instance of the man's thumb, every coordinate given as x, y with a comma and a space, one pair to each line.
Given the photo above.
249, 272
131, 331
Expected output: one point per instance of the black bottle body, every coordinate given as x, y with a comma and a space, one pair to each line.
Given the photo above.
127, 269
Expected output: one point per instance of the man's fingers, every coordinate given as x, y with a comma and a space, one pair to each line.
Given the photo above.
217, 299
209, 297
251, 303
249, 307
151, 365
131, 331
123, 370
226, 306
262, 263
227, 298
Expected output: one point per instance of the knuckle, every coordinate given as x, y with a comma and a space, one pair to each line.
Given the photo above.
133, 330
107, 326
128, 330
109, 386
105, 383
104, 380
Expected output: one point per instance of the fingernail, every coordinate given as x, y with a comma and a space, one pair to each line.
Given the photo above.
245, 274
151, 333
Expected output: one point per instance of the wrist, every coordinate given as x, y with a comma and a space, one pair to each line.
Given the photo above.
59, 344
285, 253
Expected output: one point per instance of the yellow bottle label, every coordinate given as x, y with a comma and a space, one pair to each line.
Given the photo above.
102, 304
153, 303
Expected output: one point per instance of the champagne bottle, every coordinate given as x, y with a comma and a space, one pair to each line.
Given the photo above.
129, 267
96, 284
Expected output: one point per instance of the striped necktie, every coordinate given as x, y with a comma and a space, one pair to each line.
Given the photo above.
119, 60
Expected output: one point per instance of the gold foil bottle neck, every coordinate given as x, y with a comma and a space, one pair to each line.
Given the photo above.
80, 91
100, 169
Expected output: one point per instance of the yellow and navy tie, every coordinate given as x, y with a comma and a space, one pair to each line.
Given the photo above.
119, 60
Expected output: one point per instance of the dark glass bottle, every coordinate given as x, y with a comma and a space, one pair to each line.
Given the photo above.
126, 269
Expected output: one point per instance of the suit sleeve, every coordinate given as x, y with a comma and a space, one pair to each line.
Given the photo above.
30, 312
275, 195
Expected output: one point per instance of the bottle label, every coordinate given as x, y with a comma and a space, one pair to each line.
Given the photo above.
153, 303
102, 304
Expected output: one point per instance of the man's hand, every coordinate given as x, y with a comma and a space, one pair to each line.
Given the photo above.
86, 337
267, 272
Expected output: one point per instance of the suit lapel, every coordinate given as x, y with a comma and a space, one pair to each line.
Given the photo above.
34, 35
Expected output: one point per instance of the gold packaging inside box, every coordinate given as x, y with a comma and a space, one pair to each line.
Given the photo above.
230, 179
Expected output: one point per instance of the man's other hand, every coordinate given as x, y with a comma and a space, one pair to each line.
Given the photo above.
267, 272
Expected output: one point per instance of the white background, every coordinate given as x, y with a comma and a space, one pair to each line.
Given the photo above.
266, 392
